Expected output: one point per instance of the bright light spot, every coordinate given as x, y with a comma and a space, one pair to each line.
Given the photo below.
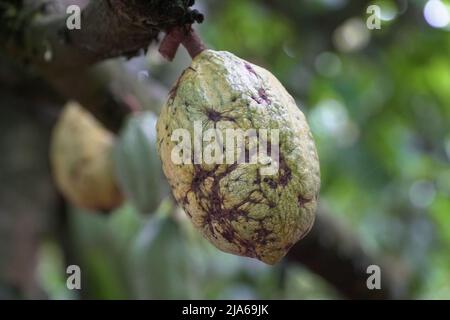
436, 14
330, 118
351, 36
388, 15
48, 55
328, 64
422, 193
388, 11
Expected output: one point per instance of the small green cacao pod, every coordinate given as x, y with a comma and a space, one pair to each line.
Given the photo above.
160, 261
100, 243
82, 162
240, 207
137, 164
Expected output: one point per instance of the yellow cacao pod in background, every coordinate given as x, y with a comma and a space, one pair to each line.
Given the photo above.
82, 162
137, 164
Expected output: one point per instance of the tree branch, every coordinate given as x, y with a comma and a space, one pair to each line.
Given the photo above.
108, 29
334, 252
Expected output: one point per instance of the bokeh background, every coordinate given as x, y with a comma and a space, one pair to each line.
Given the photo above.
378, 103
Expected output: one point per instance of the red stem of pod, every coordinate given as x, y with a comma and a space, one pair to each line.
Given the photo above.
181, 35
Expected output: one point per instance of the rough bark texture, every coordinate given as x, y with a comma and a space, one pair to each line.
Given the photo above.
38, 35
108, 29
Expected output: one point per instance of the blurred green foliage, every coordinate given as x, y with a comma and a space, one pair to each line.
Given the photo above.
380, 113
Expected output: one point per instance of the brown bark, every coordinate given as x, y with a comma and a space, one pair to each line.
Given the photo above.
108, 29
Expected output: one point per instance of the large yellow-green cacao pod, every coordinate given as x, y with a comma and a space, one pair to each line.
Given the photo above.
138, 167
82, 162
241, 207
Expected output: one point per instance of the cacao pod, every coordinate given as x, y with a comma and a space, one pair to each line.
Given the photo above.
160, 261
81, 159
101, 244
234, 205
137, 164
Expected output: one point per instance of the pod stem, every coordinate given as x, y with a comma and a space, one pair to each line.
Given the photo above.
181, 35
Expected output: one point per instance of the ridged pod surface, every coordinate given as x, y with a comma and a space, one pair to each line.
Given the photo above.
233, 205
81, 159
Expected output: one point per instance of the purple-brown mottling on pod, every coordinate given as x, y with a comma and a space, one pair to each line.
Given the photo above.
234, 206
